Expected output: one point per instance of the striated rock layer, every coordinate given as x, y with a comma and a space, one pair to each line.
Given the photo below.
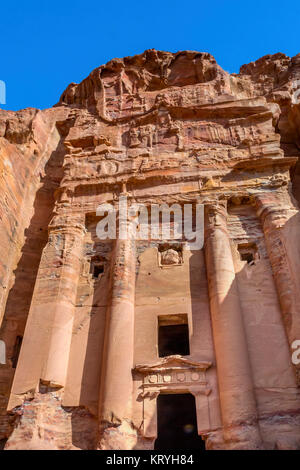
80, 316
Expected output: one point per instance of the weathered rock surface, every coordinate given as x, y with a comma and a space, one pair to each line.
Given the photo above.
160, 128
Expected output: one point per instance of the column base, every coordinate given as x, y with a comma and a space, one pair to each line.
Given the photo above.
44, 424
121, 436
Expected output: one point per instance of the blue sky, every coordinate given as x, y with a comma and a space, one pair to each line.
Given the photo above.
48, 44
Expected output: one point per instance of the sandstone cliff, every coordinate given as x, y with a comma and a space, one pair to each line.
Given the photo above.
159, 127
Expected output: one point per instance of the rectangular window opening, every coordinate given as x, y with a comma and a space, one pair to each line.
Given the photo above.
97, 266
97, 270
248, 252
173, 335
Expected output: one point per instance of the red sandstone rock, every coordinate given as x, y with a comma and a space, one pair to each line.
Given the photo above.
160, 128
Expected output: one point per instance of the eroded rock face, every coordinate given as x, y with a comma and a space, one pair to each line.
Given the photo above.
158, 128
170, 257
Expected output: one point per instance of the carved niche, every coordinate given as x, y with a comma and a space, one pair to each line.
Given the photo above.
170, 255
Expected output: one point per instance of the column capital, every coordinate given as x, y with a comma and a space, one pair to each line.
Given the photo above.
125, 226
270, 208
216, 208
67, 224
215, 215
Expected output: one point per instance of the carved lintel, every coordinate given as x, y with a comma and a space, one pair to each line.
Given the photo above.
174, 362
173, 374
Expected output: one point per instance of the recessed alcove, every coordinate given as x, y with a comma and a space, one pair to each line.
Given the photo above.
170, 254
248, 252
173, 335
97, 270
96, 267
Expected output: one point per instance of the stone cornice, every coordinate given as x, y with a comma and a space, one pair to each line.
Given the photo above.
172, 363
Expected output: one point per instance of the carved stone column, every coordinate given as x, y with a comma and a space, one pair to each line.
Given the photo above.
237, 399
117, 382
281, 225
65, 291
46, 345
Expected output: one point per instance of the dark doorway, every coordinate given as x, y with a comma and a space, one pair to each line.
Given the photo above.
177, 423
